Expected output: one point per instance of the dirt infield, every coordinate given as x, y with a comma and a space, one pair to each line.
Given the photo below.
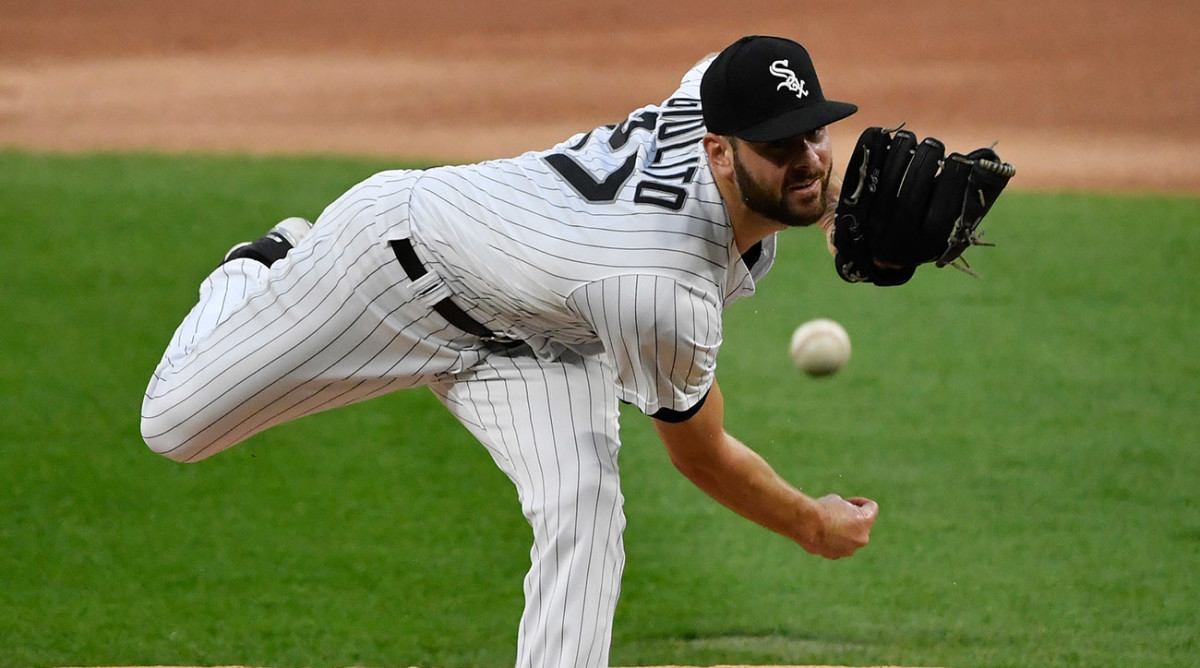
1075, 97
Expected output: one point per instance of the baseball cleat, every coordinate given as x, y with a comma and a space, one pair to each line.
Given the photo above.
275, 244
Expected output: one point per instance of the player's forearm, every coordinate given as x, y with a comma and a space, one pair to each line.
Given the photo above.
741, 480
738, 478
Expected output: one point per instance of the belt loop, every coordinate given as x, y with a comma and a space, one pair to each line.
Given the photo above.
432, 291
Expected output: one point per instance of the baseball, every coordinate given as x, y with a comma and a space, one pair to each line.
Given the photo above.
820, 347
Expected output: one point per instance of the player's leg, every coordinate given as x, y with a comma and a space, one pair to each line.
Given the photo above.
331, 324
553, 429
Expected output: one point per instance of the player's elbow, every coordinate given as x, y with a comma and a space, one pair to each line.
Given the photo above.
699, 476
698, 459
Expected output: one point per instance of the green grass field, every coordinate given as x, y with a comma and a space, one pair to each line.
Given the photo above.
1031, 437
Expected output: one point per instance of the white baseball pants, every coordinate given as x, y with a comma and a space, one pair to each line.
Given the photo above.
336, 323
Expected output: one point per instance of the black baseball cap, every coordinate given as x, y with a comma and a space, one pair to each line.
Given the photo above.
764, 89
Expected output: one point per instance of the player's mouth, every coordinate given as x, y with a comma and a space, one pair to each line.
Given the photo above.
804, 187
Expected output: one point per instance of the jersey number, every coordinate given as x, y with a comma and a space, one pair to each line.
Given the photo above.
604, 188
596, 191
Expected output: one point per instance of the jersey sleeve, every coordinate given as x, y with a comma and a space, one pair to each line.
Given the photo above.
661, 335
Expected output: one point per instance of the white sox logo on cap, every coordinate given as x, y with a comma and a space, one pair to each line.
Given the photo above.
763, 88
790, 81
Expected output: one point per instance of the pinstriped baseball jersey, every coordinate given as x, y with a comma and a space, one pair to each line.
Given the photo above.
617, 238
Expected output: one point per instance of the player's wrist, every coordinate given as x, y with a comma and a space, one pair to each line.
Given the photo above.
811, 525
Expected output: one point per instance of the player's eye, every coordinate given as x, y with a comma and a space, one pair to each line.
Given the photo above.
776, 149
786, 147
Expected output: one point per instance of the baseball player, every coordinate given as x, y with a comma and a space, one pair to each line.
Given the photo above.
533, 295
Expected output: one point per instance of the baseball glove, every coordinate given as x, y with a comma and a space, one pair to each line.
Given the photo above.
905, 204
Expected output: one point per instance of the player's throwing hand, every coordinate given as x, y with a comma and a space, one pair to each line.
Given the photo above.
847, 525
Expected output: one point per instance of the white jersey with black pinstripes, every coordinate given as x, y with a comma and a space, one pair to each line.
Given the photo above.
617, 238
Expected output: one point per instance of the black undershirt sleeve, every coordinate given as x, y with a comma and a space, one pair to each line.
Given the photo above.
668, 415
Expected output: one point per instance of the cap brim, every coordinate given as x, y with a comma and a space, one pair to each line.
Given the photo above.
797, 121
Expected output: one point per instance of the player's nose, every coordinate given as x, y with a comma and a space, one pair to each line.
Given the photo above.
804, 163
805, 153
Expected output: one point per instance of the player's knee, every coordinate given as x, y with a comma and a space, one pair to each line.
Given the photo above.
163, 442
175, 441
595, 501
604, 492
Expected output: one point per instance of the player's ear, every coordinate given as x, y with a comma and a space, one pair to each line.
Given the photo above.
720, 154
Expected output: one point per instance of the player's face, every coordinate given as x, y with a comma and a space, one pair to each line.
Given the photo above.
786, 180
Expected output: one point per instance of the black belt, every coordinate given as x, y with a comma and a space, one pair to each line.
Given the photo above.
445, 308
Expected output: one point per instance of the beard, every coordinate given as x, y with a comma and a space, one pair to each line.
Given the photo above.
777, 205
